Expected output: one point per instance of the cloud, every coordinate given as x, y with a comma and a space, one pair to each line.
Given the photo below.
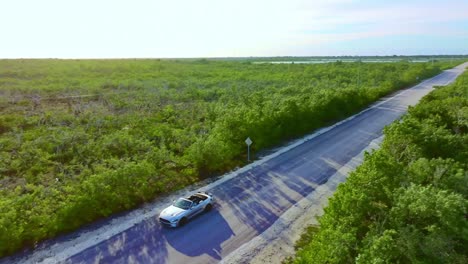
340, 22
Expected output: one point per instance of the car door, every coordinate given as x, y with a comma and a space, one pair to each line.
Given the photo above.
192, 211
196, 208
189, 212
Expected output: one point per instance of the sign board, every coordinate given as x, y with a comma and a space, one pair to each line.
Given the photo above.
249, 142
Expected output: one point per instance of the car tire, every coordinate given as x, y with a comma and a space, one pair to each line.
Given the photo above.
182, 221
208, 207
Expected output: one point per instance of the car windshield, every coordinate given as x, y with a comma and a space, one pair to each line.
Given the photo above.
182, 203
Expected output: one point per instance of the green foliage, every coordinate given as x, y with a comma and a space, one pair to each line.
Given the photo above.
82, 139
306, 237
407, 203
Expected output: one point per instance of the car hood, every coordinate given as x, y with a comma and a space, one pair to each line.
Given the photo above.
171, 211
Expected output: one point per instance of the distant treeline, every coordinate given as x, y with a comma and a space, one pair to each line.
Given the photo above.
82, 139
347, 58
408, 201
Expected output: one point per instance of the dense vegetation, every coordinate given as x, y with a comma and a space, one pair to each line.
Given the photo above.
408, 201
82, 139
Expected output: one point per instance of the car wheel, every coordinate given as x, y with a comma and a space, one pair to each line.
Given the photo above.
208, 207
182, 221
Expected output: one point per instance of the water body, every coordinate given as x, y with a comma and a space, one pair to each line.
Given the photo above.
328, 61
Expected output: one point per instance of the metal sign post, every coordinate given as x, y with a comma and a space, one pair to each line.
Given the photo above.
249, 142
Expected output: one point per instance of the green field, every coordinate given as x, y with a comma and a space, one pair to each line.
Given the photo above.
408, 201
82, 139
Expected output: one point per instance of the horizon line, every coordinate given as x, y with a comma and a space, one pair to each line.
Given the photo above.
232, 57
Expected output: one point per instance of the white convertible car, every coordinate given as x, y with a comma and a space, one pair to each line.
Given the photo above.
185, 208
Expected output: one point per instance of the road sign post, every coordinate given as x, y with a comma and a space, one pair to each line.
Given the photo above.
249, 142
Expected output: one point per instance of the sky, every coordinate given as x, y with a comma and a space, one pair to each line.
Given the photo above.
230, 28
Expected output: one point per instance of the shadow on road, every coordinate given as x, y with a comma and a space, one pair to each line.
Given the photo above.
259, 197
143, 243
204, 234
149, 242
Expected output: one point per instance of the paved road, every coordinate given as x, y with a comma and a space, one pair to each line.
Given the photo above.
251, 202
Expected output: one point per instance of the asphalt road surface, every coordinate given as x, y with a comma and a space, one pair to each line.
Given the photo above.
251, 202
248, 204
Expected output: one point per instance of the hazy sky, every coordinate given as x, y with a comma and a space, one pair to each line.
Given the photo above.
221, 28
